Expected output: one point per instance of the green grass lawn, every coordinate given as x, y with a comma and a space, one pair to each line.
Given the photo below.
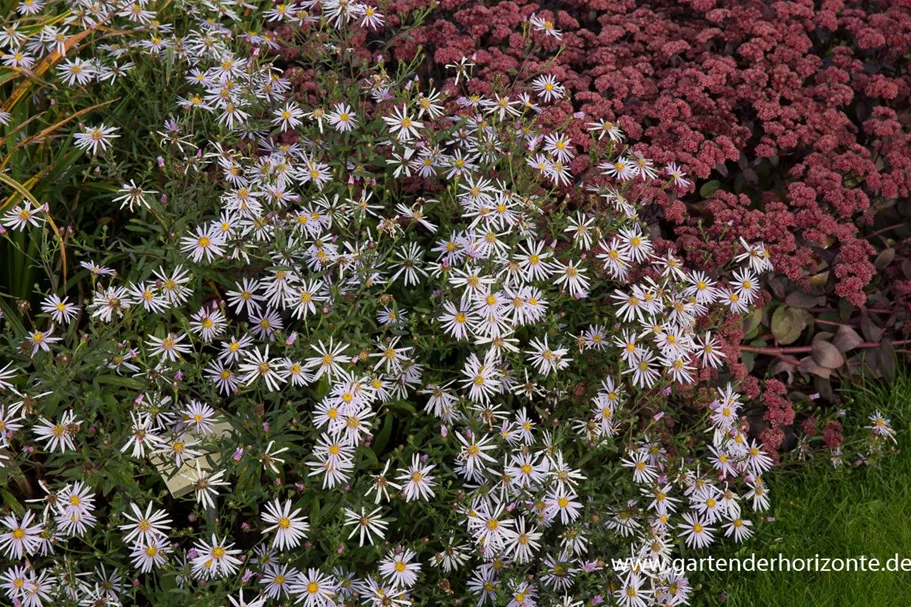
848, 512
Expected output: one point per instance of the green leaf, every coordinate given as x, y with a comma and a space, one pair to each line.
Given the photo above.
123, 382
314, 511
401, 404
709, 188
137, 226
13, 319
751, 324
322, 388
749, 360
787, 324
7, 75
12, 502
382, 439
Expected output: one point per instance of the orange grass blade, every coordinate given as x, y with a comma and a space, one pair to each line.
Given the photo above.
41, 68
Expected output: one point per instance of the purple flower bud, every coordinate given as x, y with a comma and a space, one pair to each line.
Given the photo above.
160, 161
239, 453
